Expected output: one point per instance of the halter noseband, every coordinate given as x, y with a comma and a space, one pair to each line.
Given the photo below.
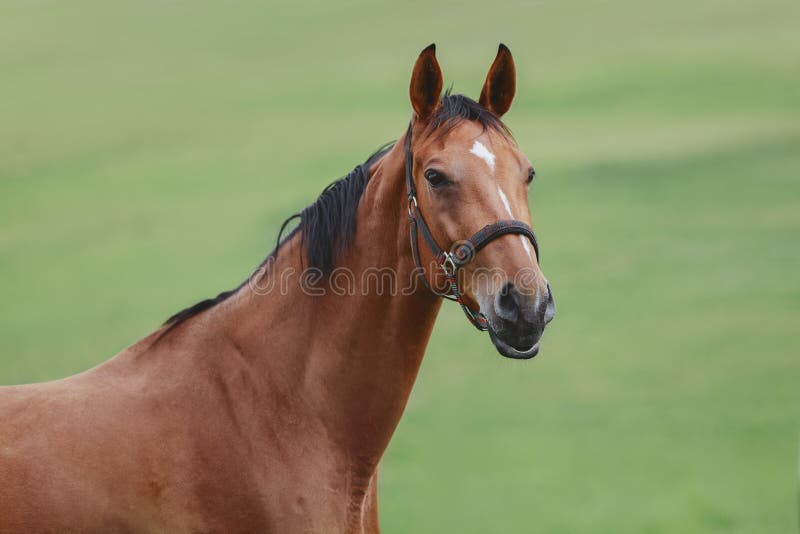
450, 262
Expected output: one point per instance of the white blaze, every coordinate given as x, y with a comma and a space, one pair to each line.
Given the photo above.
484, 153
522, 238
504, 198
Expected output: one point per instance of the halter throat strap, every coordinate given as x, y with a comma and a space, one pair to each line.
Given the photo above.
459, 254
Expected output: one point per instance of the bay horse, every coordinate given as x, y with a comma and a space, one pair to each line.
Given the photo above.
268, 408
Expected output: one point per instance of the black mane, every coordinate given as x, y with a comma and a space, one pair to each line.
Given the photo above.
328, 225
455, 109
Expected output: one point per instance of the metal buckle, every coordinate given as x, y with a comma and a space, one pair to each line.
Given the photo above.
447, 260
412, 201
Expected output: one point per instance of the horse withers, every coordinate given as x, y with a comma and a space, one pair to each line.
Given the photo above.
268, 408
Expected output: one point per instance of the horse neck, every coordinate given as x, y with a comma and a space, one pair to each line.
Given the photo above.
350, 360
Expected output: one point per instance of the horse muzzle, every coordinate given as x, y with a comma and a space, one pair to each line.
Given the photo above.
517, 321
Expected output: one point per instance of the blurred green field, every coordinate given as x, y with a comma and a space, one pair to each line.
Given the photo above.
149, 150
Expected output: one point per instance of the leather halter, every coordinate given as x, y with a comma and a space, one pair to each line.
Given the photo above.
462, 252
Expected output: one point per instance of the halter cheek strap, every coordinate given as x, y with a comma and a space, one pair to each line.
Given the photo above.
451, 261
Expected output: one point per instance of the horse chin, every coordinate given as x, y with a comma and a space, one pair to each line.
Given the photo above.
512, 352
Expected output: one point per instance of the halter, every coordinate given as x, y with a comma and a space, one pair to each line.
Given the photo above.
460, 254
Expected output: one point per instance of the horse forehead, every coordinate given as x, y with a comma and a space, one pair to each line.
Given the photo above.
481, 151
498, 164
477, 146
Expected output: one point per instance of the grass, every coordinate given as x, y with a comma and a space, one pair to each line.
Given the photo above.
148, 152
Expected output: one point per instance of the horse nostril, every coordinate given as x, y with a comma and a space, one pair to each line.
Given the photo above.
550, 310
505, 303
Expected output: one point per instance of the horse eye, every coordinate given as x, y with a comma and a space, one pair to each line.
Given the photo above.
531, 175
436, 179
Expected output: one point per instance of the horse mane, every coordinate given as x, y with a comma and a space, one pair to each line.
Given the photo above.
455, 109
328, 225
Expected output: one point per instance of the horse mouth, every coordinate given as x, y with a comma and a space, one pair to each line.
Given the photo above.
510, 351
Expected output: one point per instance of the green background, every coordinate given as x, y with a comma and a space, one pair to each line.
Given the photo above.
149, 150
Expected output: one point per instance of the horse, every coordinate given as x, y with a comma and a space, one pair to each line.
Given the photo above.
268, 408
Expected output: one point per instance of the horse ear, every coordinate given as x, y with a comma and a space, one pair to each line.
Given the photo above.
501, 83
426, 83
